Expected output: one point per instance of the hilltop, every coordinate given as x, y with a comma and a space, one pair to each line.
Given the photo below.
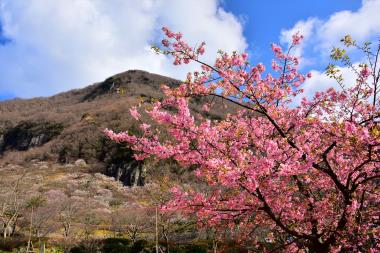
68, 126
53, 150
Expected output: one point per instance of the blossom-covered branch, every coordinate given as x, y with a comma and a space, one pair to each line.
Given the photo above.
299, 171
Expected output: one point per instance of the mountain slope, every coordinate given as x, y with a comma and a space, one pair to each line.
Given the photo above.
68, 126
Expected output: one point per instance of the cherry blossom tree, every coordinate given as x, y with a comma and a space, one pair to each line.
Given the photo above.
283, 177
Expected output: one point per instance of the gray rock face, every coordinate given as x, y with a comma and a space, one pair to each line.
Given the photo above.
28, 134
37, 140
80, 163
131, 174
2, 146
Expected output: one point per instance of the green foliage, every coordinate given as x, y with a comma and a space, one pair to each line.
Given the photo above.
337, 53
55, 250
35, 201
333, 72
138, 246
122, 245
340, 55
189, 248
116, 245
10, 243
348, 41
192, 248
78, 249
63, 154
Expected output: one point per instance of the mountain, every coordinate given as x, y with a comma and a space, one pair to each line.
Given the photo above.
68, 126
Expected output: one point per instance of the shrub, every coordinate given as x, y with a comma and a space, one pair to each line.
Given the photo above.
116, 245
78, 249
138, 246
11, 243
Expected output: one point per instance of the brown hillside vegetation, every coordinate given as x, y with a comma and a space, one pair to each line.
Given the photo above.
54, 156
68, 126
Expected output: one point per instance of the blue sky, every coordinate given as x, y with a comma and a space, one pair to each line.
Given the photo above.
264, 20
52, 46
3, 38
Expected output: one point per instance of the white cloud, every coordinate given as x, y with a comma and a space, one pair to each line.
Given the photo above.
304, 27
63, 44
307, 29
322, 35
362, 24
321, 82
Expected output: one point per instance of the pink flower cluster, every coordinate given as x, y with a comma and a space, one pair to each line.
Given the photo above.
305, 172
181, 51
297, 38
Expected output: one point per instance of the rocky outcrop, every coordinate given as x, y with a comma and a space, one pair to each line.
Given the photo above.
85, 113
2, 145
80, 163
28, 134
131, 174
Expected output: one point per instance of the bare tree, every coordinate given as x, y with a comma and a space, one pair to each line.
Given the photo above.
131, 221
33, 204
11, 204
137, 221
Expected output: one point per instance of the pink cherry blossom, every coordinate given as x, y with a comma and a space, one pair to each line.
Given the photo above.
305, 177
365, 72
134, 113
297, 38
165, 43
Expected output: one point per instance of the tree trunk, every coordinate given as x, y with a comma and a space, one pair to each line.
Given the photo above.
29, 248
66, 228
319, 248
7, 230
136, 176
215, 246
167, 242
118, 173
14, 225
42, 246
156, 229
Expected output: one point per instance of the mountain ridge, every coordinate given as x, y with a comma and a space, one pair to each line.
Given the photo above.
69, 125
